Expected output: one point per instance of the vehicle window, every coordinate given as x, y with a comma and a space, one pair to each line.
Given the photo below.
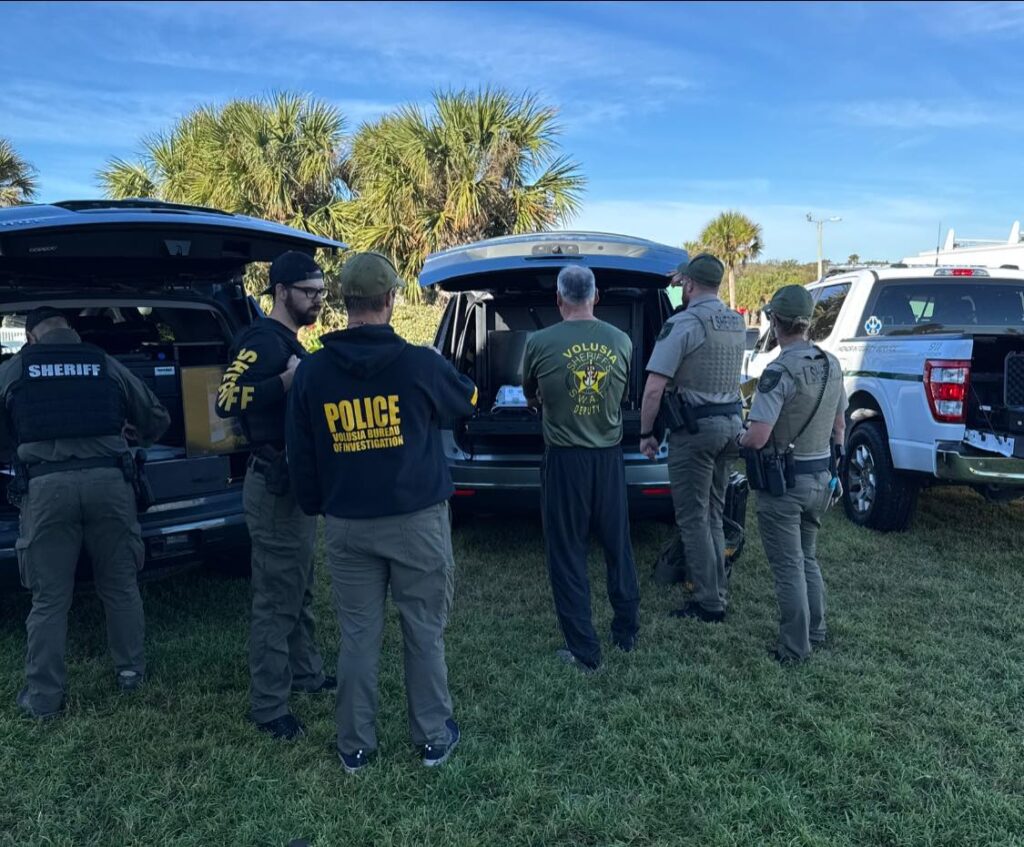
918, 306
826, 310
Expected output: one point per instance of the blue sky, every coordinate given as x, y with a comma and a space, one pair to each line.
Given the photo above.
897, 117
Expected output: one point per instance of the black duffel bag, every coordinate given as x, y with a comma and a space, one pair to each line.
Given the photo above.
670, 565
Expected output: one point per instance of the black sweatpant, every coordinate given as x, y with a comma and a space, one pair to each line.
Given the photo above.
582, 490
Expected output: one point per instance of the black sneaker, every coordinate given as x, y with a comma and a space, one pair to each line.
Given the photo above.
627, 645
785, 661
568, 657
354, 762
27, 709
437, 754
329, 684
284, 728
699, 613
128, 681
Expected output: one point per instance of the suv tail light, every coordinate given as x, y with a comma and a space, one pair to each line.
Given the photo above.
946, 383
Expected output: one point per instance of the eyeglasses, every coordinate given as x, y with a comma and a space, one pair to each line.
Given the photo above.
311, 293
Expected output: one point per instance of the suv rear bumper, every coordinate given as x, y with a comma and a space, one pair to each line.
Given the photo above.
175, 534
956, 463
494, 486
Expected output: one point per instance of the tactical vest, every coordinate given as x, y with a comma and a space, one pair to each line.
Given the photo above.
807, 374
714, 367
64, 391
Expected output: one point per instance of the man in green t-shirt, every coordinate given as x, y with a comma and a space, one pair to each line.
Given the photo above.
577, 371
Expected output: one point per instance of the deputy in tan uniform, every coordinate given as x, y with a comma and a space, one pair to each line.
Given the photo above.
694, 371
798, 412
68, 407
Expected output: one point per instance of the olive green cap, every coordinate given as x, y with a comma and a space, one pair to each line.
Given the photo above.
791, 301
704, 269
368, 275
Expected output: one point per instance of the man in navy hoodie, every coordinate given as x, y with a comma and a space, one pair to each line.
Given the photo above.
364, 449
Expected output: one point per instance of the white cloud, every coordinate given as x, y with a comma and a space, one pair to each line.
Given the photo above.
926, 114
958, 20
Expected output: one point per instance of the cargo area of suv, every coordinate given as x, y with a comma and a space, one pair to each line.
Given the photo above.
501, 291
158, 287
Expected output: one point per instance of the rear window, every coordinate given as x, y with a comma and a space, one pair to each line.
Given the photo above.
921, 306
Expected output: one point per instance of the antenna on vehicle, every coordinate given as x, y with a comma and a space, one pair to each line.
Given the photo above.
938, 241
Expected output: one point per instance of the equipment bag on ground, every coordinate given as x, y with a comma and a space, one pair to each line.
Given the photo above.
670, 566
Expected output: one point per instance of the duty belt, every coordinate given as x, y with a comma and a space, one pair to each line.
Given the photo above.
43, 468
262, 457
714, 410
809, 466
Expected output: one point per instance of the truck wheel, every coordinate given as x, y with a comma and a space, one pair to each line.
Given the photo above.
875, 494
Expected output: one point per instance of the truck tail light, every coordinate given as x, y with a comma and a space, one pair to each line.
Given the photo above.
946, 383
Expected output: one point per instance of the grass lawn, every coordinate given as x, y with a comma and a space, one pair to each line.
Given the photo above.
906, 730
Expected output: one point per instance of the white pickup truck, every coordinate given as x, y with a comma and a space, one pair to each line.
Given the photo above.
933, 359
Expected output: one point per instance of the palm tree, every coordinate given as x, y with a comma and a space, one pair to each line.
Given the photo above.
475, 165
735, 239
280, 158
17, 177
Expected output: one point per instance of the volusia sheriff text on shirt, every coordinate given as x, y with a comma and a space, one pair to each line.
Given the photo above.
364, 422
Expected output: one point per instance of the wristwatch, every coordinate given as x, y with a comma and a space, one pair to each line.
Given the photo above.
644, 435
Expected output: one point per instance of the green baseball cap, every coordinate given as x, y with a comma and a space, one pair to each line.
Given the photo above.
704, 269
791, 301
368, 275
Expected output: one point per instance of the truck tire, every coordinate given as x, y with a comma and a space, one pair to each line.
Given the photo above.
875, 494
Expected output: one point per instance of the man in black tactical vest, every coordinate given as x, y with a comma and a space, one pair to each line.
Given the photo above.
68, 407
693, 378
283, 656
798, 411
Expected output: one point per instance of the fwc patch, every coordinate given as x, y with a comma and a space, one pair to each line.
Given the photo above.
666, 331
769, 379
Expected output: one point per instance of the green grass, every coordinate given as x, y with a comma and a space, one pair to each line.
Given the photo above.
907, 730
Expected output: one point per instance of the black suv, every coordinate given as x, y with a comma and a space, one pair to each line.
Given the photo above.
159, 287
503, 289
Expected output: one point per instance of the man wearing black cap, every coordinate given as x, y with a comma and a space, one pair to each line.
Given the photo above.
364, 441
695, 370
67, 407
283, 656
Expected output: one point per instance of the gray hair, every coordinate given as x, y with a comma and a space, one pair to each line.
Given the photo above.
576, 284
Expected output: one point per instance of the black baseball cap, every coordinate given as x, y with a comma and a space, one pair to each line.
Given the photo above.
291, 268
40, 314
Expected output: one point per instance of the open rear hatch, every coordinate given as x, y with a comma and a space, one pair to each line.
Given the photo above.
159, 287
136, 243
505, 288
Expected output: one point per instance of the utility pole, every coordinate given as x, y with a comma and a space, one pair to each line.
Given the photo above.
820, 223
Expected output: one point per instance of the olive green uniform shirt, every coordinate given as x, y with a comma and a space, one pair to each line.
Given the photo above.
144, 412
581, 369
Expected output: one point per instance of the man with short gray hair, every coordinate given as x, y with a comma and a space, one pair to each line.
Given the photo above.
577, 371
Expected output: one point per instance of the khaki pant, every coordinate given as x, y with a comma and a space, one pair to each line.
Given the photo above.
698, 471
789, 531
60, 513
282, 649
413, 555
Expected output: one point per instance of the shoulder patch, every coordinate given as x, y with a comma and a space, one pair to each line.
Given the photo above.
769, 379
666, 331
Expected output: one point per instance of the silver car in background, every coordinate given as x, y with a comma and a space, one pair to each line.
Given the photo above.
500, 291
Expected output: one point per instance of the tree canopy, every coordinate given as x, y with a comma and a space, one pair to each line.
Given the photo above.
17, 177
